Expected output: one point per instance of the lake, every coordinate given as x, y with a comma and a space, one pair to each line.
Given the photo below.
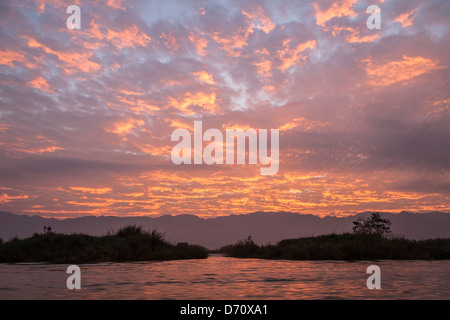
229, 278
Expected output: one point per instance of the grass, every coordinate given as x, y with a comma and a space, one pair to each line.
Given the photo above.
347, 246
129, 243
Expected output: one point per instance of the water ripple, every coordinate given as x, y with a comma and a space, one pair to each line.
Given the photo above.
228, 278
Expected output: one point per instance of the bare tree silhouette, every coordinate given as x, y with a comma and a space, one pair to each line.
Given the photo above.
374, 224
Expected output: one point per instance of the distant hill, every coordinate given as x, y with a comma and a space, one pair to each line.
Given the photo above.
264, 227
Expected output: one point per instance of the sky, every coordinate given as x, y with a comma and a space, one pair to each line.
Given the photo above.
86, 115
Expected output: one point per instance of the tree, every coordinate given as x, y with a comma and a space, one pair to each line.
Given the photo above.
374, 224
47, 230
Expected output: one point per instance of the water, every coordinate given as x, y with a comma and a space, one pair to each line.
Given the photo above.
229, 278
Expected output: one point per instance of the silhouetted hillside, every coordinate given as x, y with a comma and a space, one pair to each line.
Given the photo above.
264, 227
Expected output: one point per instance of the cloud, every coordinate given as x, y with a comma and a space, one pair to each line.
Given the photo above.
127, 36
340, 8
205, 77
189, 101
116, 4
86, 115
92, 190
41, 84
406, 19
353, 35
291, 56
130, 37
11, 58
122, 128
71, 61
260, 20
401, 70
42, 4
169, 41
5, 198
199, 42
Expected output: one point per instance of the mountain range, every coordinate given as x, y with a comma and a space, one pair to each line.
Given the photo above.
213, 233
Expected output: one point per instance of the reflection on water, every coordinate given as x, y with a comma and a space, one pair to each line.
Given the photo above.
229, 278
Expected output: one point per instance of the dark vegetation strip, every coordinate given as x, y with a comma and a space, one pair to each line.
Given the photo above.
347, 246
129, 243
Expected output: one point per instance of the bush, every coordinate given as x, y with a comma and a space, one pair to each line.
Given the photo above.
375, 224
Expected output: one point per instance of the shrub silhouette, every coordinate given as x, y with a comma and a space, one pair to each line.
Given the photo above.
374, 224
130, 231
47, 230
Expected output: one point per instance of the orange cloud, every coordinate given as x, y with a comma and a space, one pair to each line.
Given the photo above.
32, 145
199, 43
92, 190
130, 37
9, 57
406, 19
41, 84
235, 126
41, 4
43, 150
206, 101
290, 57
442, 102
263, 68
116, 4
260, 20
74, 61
338, 9
132, 101
155, 150
4, 198
122, 128
437, 107
269, 88
143, 106
234, 43
300, 122
354, 35
205, 77
4, 127
169, 41
396, 71
214, 193
134, 194
180, 125
356, 38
